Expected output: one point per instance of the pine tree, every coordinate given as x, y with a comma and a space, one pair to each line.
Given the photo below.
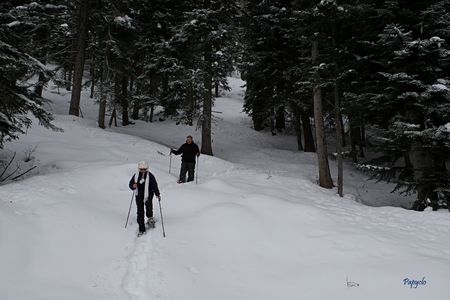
16, 100
264, 60
210, 30
406, 99
39, 24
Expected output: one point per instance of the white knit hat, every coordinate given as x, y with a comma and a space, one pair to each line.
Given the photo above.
143, 165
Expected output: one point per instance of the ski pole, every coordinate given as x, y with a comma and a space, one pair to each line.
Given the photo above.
162, 220
196, 173
170, 161
128, 216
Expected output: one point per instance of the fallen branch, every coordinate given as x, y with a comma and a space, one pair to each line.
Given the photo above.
12, 173
10, 162
20, 175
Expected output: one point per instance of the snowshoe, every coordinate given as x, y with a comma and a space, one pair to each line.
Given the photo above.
151, 222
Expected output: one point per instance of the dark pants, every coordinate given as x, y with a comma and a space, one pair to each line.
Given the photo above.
188, 167
141, 211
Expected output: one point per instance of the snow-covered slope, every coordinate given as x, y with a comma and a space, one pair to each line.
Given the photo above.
256, 226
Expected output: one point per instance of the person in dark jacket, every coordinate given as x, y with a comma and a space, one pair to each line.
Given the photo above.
189, 151
146, 186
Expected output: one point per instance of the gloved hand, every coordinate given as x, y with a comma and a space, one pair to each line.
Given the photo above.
159, 197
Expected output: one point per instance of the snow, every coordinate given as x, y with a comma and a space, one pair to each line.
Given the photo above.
124, 21
51, 6
447, 126
13, 23
439, 88
327, 2
256, 226
438, 40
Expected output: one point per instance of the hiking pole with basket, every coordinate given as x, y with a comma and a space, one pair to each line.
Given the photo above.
162, 220
170, 161
196, 173
129, 210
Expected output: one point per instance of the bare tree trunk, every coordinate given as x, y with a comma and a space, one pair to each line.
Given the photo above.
79, 61
338, 117
207, 104
325, 180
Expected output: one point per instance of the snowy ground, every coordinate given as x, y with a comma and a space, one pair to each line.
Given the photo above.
255, 227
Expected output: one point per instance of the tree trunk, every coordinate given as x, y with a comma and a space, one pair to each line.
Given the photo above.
307, 133
362, 140
124, 101
421, 161
325, 180
190, 104
272, 121
102, 102
207, 104
40, 86
43, 36
339, 138
355, 139
92, 80
341, 121
102, 111
298, 126
113, 118
79, 60
131, 85
152, 111
135, 113
258, 119
280, 121
216, 89
70, 61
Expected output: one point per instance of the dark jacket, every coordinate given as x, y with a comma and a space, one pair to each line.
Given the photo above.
153, 185
188, 152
